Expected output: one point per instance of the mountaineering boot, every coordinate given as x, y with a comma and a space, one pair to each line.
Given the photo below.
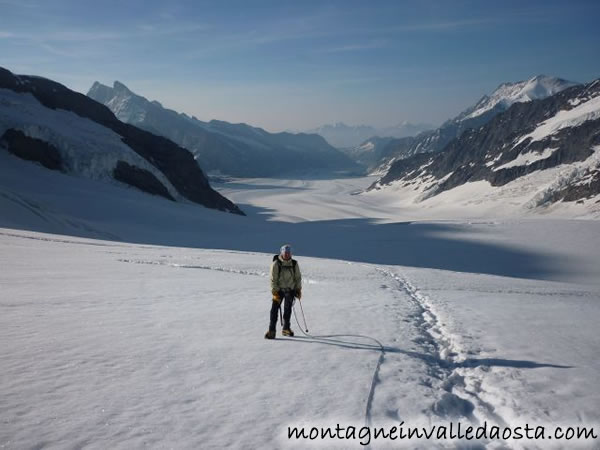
287, 332
270, 334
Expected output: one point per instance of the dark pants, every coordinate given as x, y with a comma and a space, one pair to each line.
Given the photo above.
287, 298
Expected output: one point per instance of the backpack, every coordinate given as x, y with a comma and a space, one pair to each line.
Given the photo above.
279, 265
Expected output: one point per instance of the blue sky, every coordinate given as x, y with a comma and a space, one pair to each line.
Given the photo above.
297, 65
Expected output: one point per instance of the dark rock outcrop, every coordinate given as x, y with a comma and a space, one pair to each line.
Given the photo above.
141, 179
32, 149
579, 192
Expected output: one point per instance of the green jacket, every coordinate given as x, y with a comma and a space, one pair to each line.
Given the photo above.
289, 278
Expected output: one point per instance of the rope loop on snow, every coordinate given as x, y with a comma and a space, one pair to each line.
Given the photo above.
374, 378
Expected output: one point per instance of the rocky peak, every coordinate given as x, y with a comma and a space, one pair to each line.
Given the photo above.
121, 88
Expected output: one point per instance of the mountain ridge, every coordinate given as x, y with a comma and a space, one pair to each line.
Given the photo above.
344, 136
560, 131
487, 107
232, 149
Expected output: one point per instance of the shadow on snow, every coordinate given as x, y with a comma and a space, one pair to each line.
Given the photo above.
336, 340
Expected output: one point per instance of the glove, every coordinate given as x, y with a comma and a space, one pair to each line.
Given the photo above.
298, 294
276, 296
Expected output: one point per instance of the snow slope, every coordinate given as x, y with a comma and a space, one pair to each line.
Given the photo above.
90, 149
524, 197
123, 343
582, 112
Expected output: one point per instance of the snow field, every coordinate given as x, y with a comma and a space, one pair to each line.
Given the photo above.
126, 346
524, 350
122, 345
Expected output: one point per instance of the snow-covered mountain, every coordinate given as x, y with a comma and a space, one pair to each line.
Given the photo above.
345, 136
542, 151
232, 149
483, 111
43, 121
506, 94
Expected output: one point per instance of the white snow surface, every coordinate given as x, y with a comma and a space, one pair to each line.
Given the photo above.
151, 335
525, 159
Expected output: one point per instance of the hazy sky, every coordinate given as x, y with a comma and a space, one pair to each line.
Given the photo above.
300, 64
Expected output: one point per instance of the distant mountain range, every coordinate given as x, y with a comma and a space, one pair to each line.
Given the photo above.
543, 147
484, 110
538, 140
231, 149
45, 122
343, 136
